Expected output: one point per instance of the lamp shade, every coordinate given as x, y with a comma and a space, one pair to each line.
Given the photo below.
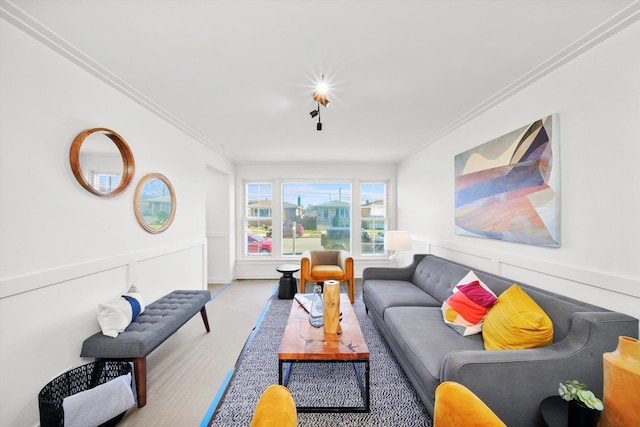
397, 241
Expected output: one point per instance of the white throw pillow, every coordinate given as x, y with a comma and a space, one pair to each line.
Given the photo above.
116, 315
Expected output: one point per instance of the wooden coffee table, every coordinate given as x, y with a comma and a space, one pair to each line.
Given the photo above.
302, 343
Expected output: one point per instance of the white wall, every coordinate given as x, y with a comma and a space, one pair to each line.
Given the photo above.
219, 227
597, 99
62, 249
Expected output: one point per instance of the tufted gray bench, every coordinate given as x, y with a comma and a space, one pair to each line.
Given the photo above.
158, 322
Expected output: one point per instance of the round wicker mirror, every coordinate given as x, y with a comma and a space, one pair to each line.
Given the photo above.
102, 162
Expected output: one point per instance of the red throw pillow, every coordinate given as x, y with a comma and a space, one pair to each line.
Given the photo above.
465, 309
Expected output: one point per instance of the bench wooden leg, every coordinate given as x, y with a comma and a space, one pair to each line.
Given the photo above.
140, 372
203, 313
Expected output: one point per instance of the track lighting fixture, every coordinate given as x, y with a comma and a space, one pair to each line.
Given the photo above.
315, 113
320, 96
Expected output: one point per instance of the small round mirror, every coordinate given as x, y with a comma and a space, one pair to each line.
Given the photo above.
102, 162
154, 203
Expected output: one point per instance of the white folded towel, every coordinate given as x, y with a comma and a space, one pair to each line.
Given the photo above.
98, 405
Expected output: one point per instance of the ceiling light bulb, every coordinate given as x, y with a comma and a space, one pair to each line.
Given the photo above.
323, 88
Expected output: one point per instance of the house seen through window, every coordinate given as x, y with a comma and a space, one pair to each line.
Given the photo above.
373, 216
258, 219
316, 216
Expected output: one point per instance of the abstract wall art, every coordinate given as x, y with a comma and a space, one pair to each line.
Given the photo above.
508, 188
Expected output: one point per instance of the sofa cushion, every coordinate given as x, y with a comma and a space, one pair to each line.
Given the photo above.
327, 271
465, 309
438, 277
325, 258
392, 293
516, 322
424, 341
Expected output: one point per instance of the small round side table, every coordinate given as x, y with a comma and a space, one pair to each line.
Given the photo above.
288, 285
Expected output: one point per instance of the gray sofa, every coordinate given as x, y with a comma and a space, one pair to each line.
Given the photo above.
405, 306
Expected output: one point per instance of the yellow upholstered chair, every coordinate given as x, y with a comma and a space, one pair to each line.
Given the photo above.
457, 406
318, 266
275, 408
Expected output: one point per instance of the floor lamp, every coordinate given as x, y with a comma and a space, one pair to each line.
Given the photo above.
397, 241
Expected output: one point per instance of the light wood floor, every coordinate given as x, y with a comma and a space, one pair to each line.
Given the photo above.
186, 371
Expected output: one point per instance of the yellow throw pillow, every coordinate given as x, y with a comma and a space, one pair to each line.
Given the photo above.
516, 322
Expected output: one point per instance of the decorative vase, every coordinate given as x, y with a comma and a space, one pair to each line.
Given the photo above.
331, 306
581, 415
316, 312
622, 385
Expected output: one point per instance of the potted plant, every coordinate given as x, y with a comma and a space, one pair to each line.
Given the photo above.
584, 406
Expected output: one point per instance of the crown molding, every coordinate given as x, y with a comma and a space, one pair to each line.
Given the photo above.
602, 32
25, 22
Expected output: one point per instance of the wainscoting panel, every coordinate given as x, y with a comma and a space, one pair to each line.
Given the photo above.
218, 258
179, 269
606, 290
16, 285
463, 256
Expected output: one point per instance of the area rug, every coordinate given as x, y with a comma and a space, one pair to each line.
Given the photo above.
393, 400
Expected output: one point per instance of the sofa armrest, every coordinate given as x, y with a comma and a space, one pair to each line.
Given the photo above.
390, 273
537, 371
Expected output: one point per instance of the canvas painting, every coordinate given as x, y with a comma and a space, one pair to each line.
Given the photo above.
507, 189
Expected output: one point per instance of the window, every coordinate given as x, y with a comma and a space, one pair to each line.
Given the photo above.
373, 214
258, 218
104, 182
315, 216
320, 214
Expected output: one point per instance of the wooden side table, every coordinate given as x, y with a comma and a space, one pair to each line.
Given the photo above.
288, 285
